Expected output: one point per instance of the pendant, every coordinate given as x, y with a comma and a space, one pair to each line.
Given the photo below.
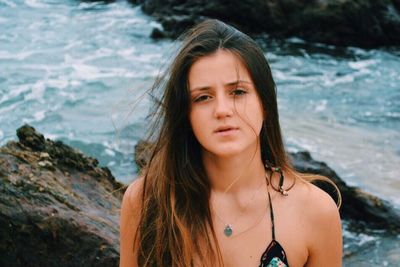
228, 231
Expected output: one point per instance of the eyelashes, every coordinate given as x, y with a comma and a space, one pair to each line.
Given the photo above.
201, 98
239, 92
204, 97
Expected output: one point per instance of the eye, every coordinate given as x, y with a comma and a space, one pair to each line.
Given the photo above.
239, 92
201, 98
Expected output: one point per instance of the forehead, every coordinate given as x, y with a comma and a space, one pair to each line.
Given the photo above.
220, 67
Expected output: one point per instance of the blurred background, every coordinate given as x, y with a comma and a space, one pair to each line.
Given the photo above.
78, 71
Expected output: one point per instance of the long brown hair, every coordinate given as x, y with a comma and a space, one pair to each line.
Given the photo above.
176, 224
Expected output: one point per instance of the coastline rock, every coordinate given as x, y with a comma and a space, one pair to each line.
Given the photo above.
364, 23
57, 207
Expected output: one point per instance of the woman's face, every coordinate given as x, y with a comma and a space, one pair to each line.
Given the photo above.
226, 114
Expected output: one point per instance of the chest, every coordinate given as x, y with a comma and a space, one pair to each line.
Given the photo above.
246, 248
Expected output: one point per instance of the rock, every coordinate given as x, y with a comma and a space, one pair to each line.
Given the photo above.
57, 207
142, 153
157, 34
365, 23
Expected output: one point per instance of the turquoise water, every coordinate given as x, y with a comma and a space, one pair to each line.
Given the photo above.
76, 70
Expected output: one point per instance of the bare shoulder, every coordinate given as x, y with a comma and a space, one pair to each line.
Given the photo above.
324, 231
133, 193
320, 204
131, 203
129, 221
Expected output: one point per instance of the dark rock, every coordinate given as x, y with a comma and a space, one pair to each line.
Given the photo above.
30, 138
157, 34
142, 153
57, 207
136, 2
366, 23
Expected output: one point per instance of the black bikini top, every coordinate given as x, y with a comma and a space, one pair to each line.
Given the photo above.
274, 255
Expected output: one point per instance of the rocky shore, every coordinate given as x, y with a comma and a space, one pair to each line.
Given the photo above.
363, 23
59, 208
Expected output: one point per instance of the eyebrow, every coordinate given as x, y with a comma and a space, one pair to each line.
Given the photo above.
205, 88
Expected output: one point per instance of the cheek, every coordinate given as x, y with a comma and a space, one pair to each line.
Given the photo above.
196, 122
254, 111
257, 117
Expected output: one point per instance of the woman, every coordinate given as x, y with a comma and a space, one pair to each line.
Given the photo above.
218, 189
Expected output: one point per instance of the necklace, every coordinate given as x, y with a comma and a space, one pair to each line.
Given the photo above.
228, 229
259, 219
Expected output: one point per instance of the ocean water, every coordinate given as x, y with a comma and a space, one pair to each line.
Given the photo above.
78, 72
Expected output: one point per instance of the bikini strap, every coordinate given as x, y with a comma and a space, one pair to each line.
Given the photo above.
271, 211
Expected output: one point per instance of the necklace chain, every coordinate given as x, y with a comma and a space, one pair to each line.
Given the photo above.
228, 229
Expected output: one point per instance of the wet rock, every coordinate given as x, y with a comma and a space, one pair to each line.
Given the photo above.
57, 207
157, 34
365, 23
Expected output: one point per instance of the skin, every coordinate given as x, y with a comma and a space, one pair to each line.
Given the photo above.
223, 95
307, 222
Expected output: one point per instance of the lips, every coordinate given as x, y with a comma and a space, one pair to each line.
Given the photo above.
226, 129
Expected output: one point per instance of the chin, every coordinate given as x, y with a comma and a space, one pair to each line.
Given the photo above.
226, 152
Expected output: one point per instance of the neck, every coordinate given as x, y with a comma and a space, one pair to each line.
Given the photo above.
233, 174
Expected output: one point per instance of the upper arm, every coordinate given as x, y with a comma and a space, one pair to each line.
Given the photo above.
129, 221
326, 234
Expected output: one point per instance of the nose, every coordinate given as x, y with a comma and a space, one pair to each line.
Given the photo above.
223, 107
